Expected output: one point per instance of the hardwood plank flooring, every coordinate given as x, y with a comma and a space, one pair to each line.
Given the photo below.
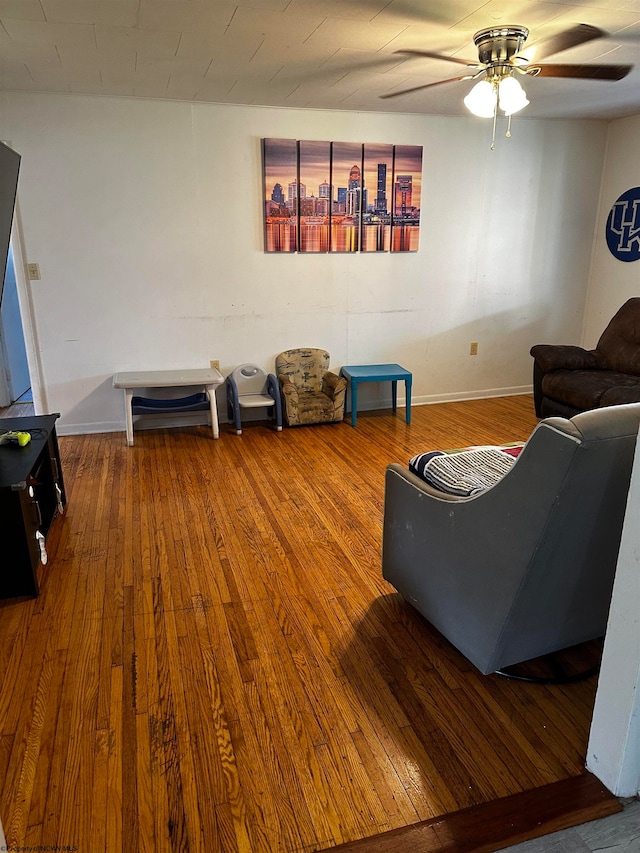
493, 825
17, 410
215, 663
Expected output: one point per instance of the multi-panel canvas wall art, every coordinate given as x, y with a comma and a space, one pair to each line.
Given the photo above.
346, 196
280, 169
341, 196
314, 198
407, 189
377, 173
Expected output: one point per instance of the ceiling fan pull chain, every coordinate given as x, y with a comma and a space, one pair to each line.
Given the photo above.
508, 133
495, 117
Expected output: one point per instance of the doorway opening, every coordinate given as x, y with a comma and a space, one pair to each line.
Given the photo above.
20, 368
15, 379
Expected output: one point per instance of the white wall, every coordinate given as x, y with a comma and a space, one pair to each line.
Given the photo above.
614, 742
614, 745
145, 219
612, 282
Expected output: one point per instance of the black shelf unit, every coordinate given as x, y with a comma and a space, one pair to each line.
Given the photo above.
31, 495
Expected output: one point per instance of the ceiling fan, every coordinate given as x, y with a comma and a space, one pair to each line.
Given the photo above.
500, 63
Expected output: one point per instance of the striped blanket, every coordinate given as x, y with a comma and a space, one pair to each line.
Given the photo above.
465, 472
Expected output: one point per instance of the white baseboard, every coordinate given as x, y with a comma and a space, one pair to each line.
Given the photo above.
87, 429
453, 397
456, 397
197, 418
147, 422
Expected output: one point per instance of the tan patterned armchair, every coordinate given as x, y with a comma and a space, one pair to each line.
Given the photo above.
310, 392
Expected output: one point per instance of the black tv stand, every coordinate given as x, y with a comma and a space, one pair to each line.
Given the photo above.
31, 495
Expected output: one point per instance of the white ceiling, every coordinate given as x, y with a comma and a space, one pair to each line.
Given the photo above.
316, 54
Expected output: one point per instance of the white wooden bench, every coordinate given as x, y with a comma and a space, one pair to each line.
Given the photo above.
207, 379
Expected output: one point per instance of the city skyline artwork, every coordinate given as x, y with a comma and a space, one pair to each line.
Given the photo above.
341, 196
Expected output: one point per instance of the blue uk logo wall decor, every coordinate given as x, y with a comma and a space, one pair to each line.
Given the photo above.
623, 226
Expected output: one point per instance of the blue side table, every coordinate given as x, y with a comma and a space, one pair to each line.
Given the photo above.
355, 373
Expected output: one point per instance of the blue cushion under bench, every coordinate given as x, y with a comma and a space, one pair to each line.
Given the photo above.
149, 405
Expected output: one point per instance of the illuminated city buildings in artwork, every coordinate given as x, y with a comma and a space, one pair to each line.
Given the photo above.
380, 206
342, 197
402, 195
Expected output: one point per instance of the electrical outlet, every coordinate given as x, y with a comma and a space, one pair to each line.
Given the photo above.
34, 272
473, 348
214, 364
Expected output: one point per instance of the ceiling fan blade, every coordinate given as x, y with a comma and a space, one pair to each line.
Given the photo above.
430, 55
427, 86
580, 34
586, 72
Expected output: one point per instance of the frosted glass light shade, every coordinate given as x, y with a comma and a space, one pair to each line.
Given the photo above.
481, 100
512, 96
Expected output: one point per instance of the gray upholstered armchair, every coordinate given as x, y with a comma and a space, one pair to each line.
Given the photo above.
526, 567
312, 394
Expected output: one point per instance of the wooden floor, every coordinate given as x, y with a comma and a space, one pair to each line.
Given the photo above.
215, 663
17, 410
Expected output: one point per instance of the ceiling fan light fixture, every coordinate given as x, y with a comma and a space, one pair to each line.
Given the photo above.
482, 100
512, 97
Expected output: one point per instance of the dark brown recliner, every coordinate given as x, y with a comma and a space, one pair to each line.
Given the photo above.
569, 379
